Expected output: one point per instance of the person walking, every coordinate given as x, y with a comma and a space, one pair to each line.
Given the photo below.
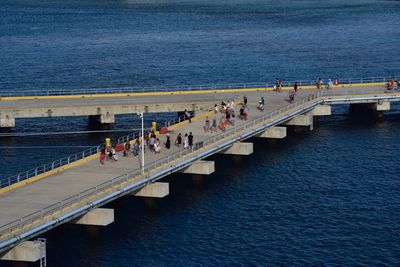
207, 125
291, 96
233, 104
318, 82
135, 149
330, 84
178, 140
190, 140
245, 100
187, 115
157, 146
295, 87
102, 156
168, 142
216, 109
214, 125
152, 142
186, 142
127, 149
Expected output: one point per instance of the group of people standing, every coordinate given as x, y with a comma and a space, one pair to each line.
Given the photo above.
151, 142
392, 84
186, 141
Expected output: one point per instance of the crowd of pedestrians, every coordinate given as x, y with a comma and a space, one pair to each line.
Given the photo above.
224, 116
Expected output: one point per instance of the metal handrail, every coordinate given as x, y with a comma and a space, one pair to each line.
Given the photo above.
238, 130
174, 88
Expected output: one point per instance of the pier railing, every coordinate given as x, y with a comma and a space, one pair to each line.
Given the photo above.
117, 184
174, 88
5, 182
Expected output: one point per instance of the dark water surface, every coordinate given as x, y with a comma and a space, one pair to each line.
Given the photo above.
329, 197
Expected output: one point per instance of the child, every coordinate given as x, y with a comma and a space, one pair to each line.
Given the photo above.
214, 125
207, 125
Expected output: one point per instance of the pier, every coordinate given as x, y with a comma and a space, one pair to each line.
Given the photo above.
74, 189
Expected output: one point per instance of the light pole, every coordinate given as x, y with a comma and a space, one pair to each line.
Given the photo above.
142, 142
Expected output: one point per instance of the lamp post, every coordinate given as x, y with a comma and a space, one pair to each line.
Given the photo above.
142, 142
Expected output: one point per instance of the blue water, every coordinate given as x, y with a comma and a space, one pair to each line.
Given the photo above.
328, 197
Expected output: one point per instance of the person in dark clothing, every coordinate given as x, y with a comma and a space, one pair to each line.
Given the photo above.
245, 100
295, 87
190, 137
168, 142
178, 140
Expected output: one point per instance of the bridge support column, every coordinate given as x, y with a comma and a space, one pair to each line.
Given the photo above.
7, 122
202, 167
301, 120
30, 251
381, 106
322, 110
239, 148
274, 132
157, 189
97, 217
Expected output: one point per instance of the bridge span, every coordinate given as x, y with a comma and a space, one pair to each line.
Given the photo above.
74, 192
102, 105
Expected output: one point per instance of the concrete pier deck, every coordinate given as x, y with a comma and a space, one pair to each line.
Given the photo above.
34, 208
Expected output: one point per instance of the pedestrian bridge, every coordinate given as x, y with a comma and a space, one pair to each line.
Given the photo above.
75, 188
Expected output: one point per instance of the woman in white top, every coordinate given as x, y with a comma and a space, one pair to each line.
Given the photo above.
157, 146
186, 142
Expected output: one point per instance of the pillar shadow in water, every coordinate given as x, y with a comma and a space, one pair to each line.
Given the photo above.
363, 113
94, 124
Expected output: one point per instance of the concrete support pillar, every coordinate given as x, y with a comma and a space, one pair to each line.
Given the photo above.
202, 167
322, 110
274, 132
97, 217
381, 106
239, 148
7, 122
30, 251
157, 189
301, 120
